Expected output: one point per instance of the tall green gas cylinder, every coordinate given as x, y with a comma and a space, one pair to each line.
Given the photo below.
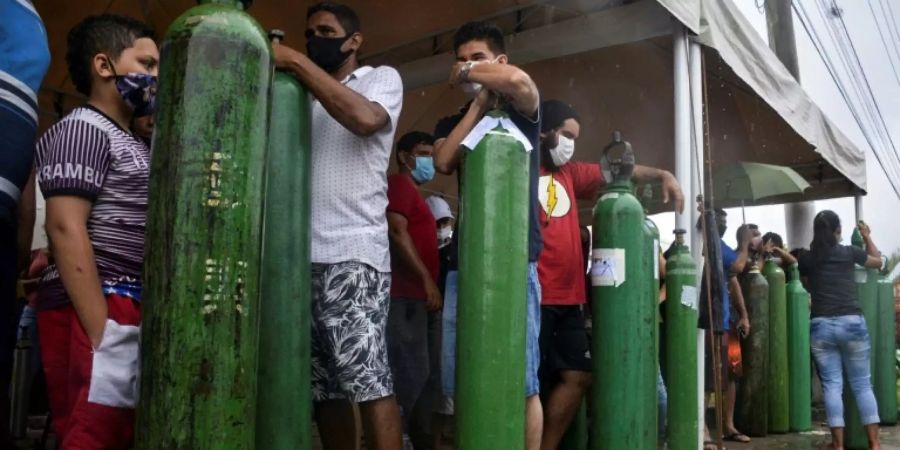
680, 347
752, 408
651, 239
204, 225
799, 369
867, 291
284, 406
624, 316
779, 405
884, 379
493, 264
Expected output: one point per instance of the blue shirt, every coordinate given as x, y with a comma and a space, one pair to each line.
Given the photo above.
729, 256
24, 58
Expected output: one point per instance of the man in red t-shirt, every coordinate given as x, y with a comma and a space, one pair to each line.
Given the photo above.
414, 271
565, 350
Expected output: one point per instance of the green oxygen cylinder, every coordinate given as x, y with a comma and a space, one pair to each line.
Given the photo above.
867, 291
752, 408
284, 406
624, 317
680, 347
651, 239
493, 264
885, 376
799, 373
576, 437
779, 405
204, 223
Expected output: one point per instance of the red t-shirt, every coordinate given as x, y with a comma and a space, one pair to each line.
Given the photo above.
404, 199
561, 265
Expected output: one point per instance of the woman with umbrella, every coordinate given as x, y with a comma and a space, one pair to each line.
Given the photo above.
839, 336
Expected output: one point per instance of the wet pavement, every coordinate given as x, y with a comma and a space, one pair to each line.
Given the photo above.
890, 440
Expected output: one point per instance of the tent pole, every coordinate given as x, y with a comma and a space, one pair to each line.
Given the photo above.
683, 137
858, 206
695, 71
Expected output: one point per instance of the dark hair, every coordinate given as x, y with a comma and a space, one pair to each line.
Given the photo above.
109, 34
410, 140
554, 113
344, 14
480, 31
719, 213
824, 226
775, 238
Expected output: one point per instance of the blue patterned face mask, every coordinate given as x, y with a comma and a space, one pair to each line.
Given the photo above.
138, 90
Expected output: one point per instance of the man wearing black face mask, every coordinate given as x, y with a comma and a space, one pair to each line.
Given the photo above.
354, 116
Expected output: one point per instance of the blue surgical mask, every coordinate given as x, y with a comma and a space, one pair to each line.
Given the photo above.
138, 90
424, 170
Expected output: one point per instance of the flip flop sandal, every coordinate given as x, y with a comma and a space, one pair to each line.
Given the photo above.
738, 437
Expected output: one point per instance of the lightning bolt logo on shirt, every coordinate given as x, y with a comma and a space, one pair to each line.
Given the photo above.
553, 197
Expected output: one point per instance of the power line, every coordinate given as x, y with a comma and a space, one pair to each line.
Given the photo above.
890, 56
883, 129
819, 45
889, 20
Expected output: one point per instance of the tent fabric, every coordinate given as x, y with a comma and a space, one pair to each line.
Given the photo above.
721, 26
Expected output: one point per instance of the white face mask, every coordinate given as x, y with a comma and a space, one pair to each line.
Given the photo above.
471, 89
563, 151
444, 234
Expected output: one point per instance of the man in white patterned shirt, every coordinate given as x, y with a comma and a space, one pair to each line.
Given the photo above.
354, 117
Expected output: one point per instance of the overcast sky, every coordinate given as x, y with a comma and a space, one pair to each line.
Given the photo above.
881, 207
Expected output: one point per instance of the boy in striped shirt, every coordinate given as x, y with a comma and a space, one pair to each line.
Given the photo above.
94, 174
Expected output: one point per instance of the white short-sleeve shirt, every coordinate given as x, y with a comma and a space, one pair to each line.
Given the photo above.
349, 176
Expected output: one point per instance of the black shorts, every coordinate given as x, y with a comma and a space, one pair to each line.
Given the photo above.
564, 341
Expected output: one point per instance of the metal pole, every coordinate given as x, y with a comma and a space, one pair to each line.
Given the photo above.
695, 74
858, 207
780, 23
683, 136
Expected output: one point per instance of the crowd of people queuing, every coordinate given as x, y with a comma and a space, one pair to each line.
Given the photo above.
385, 269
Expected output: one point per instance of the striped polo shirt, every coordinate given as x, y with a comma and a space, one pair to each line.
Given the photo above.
88, 155
24, 58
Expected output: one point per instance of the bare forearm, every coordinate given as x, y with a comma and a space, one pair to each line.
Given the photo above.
510, 81
447, 154
737, 297
347, 106
740, 263
785, 256
74, 257
404, 247
871, 249
647, 174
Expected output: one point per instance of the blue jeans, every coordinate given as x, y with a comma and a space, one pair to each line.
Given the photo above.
843, 343
532, 334
662, 405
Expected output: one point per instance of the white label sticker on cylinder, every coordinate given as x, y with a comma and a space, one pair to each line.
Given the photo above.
656, 259
689, 297
608, 267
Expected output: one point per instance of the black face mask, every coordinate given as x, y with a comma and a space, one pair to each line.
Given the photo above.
722, 229
326, 52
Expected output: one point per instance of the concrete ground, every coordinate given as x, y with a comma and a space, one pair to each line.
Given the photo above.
890, 439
